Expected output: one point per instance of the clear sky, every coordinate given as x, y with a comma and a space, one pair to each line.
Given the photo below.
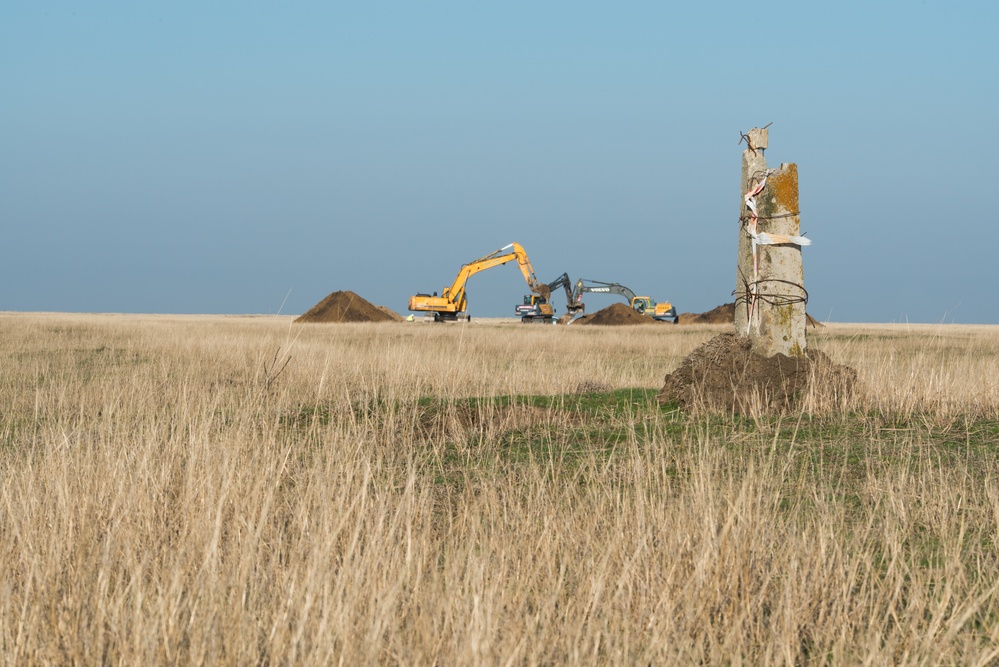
252, 157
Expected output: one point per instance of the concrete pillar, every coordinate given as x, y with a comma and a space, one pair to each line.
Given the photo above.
770, 303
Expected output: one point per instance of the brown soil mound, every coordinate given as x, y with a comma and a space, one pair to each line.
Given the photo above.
345, 307
391, 313
725, 374
725, 314
616, 314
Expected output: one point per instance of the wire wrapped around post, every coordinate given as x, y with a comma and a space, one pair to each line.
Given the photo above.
753, 293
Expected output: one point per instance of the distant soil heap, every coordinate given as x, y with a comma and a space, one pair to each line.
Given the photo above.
616, 314
396, 317
347, 307
725, 374
725, 314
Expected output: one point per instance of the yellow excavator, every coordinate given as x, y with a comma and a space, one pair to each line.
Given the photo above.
450, 306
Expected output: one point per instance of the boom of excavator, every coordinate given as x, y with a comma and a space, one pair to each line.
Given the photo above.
452, 303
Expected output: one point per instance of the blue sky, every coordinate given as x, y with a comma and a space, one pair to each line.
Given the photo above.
246, 157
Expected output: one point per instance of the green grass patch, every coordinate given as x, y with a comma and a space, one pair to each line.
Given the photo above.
484, 436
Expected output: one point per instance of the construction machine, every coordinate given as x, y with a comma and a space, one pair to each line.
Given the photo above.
536, 309
451, 305
642, 304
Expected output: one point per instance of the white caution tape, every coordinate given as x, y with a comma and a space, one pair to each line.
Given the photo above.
762, 238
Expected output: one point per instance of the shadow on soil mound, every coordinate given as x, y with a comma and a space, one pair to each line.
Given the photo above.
347, 307
396, 317
725, 374
616, 314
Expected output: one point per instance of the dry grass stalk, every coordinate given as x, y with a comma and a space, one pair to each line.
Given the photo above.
168, 498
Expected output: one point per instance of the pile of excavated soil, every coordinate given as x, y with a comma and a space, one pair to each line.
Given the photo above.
346, 307
391, 313
616, 314
725, 314
725, 374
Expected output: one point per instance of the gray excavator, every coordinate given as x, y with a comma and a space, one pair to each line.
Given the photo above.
536, 310
662, 311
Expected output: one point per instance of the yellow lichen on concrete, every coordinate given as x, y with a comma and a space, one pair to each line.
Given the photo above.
784, 185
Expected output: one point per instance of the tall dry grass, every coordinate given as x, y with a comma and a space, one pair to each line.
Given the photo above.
248, 491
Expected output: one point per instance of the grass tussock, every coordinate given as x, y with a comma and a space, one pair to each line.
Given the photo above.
244, 491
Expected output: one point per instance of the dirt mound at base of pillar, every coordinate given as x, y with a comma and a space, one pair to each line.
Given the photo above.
616, 314
724, 374
345, 307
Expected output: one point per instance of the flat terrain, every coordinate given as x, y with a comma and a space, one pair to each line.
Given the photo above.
249, 490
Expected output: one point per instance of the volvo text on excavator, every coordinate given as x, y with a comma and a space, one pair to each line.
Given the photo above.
451, 305
645, 305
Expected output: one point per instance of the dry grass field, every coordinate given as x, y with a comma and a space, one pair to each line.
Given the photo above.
244, 490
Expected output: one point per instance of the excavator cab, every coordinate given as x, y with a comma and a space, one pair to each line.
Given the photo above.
642, 304
535, 309
659, 311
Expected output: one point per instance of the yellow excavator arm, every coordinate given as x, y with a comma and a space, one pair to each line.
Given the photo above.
452, 300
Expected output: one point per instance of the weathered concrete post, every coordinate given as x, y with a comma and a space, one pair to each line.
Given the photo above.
770, 292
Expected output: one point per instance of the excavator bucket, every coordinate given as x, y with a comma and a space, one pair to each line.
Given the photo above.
544, 291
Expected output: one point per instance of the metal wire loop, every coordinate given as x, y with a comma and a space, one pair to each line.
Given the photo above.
752, 291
